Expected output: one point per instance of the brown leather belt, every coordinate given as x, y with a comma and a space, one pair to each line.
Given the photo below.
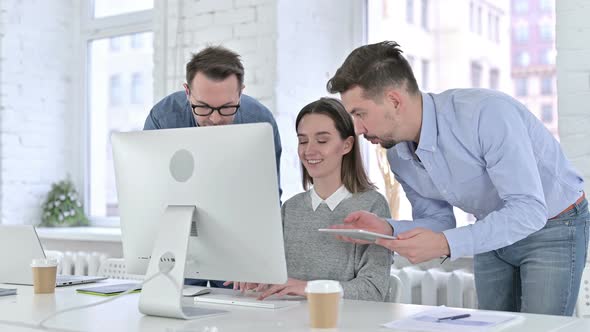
571, 206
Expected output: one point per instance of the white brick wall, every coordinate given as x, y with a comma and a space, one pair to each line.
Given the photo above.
186, 26
314, 38
573, 81
36, 46
289, 50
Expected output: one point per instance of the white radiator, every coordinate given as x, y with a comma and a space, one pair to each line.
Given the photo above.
77, 263
432, 283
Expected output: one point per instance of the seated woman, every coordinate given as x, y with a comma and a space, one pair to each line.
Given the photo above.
332, 163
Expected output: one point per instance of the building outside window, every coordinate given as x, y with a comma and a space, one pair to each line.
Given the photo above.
425, 16
425, 74
522, 87
479, 20
523, 59
494, 79
476, 74
547, 57
115, 90
497, 29
547, 113
546, 31
522, 33
546, 5
471, 16
411, 60
137, 40
521, 6
410, 11
547, 85
137, 88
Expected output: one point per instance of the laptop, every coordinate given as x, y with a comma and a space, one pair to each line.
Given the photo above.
19, 245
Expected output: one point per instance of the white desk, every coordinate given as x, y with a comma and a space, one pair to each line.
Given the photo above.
122, 315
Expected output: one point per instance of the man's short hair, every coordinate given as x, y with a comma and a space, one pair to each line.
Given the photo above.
374, 67
217, 63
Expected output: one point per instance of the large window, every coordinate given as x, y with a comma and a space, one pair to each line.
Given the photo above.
117, 43
512, 55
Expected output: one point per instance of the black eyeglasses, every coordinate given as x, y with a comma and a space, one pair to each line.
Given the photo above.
206, 110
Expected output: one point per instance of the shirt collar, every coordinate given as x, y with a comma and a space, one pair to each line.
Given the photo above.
338, 196
428, 131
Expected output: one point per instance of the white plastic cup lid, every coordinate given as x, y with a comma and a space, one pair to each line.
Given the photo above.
44, 262
323, 287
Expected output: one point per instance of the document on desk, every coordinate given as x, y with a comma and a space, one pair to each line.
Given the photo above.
429, 320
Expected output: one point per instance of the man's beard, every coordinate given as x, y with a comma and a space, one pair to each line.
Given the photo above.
386, 144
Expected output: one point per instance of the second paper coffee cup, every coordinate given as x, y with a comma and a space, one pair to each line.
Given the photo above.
324, 297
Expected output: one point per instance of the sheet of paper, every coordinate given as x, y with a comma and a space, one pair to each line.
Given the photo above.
427, 320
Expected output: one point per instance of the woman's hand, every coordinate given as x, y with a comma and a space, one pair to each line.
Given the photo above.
292, 287
242, 286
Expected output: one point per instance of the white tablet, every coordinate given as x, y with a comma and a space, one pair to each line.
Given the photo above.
359, 234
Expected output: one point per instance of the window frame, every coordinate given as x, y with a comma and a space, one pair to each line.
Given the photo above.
90, 29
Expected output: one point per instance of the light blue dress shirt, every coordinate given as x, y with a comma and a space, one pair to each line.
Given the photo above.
485, 153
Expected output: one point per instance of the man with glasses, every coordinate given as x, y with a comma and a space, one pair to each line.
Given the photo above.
212, 96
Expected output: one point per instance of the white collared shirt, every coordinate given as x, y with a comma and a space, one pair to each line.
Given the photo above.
332, 202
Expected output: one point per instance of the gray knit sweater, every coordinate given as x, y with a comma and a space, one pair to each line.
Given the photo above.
363, 270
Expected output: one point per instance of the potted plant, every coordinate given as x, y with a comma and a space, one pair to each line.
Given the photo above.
62, 207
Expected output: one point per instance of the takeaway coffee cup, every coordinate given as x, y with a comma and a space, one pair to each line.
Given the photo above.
44, 273
323, 297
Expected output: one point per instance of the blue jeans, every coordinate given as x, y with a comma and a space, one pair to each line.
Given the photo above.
539, 274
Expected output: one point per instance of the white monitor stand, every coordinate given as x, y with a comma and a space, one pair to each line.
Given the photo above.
162, 296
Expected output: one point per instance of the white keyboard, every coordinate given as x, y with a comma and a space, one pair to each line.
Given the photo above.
247, 299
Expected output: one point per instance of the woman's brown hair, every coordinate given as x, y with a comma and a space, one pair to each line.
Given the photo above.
353, 173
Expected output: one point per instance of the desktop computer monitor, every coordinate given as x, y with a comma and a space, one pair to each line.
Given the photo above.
228, 173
